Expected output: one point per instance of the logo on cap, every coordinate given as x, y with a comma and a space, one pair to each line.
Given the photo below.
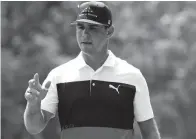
88, 11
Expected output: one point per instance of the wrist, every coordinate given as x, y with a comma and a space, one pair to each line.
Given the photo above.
34, 106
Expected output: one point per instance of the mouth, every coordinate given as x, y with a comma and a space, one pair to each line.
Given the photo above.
86, 43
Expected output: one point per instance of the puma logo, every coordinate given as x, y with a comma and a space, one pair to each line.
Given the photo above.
115, 88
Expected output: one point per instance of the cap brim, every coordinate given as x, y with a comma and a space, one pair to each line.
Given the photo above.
86, 21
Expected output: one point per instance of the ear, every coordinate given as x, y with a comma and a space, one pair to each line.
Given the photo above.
110, 31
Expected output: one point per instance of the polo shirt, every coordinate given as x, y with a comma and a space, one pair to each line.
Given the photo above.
101, 104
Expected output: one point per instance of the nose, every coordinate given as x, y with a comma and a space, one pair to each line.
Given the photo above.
86, 31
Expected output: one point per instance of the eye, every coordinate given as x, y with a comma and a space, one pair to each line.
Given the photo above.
80, 27
92, 28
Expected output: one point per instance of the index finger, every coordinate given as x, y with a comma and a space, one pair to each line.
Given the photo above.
36, 78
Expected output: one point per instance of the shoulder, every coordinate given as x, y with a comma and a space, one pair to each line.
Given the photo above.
129, 73
124, 67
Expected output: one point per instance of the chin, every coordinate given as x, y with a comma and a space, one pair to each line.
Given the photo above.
86, 45
87, 51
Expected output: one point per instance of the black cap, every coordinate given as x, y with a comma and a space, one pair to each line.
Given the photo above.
94, 13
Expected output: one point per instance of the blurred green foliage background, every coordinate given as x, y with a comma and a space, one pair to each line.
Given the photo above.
157, 37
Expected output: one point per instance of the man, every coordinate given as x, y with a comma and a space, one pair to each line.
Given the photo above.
97, 95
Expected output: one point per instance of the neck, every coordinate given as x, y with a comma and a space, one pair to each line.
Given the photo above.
96, 60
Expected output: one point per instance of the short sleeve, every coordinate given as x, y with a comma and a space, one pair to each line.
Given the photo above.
50, 102
142, 105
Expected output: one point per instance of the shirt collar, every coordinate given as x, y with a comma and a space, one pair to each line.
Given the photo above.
110, 61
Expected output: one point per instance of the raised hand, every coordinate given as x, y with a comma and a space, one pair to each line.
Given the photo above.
35, 92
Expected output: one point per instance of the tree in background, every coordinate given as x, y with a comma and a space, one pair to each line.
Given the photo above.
156, 37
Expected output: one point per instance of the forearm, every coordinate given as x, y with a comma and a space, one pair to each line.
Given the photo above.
33, 119
153, 135
149, 129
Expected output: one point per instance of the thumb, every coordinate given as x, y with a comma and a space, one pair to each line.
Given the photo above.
47, 85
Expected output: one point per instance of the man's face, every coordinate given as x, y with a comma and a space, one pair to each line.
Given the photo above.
91, 38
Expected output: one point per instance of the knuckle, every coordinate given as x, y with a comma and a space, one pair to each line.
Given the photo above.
34, 92
25, 95
31, 91
38, 93
28, 89
28, 96
31, 81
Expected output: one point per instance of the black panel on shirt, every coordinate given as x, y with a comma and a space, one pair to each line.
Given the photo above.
103, 106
